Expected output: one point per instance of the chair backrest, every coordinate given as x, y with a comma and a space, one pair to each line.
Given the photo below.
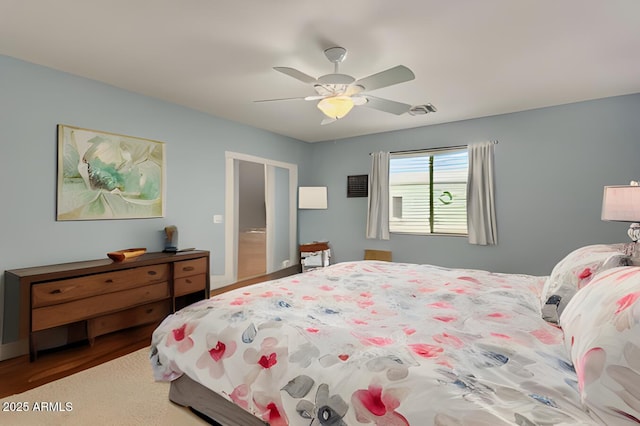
377, 255
314, 255
312, 247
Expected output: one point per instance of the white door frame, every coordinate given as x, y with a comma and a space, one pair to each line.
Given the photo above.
231, 211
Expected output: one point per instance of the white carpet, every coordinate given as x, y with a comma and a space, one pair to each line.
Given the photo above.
119, 392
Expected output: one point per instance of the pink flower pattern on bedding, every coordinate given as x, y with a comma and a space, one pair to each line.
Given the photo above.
602, 335
380, 343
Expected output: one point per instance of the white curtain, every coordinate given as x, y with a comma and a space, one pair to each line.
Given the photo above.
378, 209
481, 211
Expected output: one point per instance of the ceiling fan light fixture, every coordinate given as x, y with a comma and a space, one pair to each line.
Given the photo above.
336, 106
338, 93
335, 54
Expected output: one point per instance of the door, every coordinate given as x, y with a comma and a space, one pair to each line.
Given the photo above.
252, 220
279, 187
279, 213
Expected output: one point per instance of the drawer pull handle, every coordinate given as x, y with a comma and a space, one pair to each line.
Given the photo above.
109, 281
188, 281
149, 310
152, 273
56, 291
188, 268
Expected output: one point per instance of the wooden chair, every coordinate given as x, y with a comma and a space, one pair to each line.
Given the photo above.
377, 255
319, 251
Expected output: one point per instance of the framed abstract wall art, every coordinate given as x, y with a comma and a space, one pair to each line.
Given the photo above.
104, 175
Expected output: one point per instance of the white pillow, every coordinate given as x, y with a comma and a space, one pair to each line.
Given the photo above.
601, 326
578, 268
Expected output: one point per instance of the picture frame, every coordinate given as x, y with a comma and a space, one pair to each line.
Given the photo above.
103, 175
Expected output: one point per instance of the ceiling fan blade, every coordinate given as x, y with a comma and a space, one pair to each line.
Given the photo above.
284, 99
298, 75
336, 79
359, 100
386, 105
328, 121
395, 75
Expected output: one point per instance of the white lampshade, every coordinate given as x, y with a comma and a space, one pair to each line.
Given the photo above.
621, 203
312, 197
336, 106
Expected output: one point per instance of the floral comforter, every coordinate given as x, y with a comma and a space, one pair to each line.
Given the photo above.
378, 343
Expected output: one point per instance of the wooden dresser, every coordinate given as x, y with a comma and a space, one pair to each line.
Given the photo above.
77, 303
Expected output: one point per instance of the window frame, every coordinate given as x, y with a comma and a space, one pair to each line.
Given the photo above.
431, 153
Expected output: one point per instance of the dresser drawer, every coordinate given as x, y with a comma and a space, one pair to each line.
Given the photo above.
145, 314
79, 310
62, 291
190, 284
190, 267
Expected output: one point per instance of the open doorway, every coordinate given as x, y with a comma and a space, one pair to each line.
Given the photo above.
272, 196
252, 220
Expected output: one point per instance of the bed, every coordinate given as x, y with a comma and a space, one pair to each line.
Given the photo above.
381, 343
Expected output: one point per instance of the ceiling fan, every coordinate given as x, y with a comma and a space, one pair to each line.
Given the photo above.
338, 93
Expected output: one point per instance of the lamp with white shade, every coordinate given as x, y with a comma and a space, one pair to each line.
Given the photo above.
622, 204
312, 197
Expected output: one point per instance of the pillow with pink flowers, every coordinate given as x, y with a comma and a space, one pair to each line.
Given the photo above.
574, 272
601, 326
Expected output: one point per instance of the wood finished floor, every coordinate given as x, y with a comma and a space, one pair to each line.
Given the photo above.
252, 254
19, 374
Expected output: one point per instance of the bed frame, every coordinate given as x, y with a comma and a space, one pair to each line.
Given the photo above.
208, 405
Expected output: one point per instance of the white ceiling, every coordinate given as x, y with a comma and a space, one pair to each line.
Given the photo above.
471, 58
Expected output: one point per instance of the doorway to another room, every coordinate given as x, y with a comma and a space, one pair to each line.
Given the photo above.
252, 220
261, 224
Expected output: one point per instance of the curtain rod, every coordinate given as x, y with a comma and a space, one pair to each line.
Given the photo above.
431, 149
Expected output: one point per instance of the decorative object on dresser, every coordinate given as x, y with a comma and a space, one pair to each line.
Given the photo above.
170, 239
85, 300
120, 255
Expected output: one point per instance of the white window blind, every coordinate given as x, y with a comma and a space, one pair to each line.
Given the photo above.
429, 192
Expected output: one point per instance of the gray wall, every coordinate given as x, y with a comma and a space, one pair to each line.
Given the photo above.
35, 99
551, 166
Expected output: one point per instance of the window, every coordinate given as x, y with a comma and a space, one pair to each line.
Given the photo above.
428, 192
